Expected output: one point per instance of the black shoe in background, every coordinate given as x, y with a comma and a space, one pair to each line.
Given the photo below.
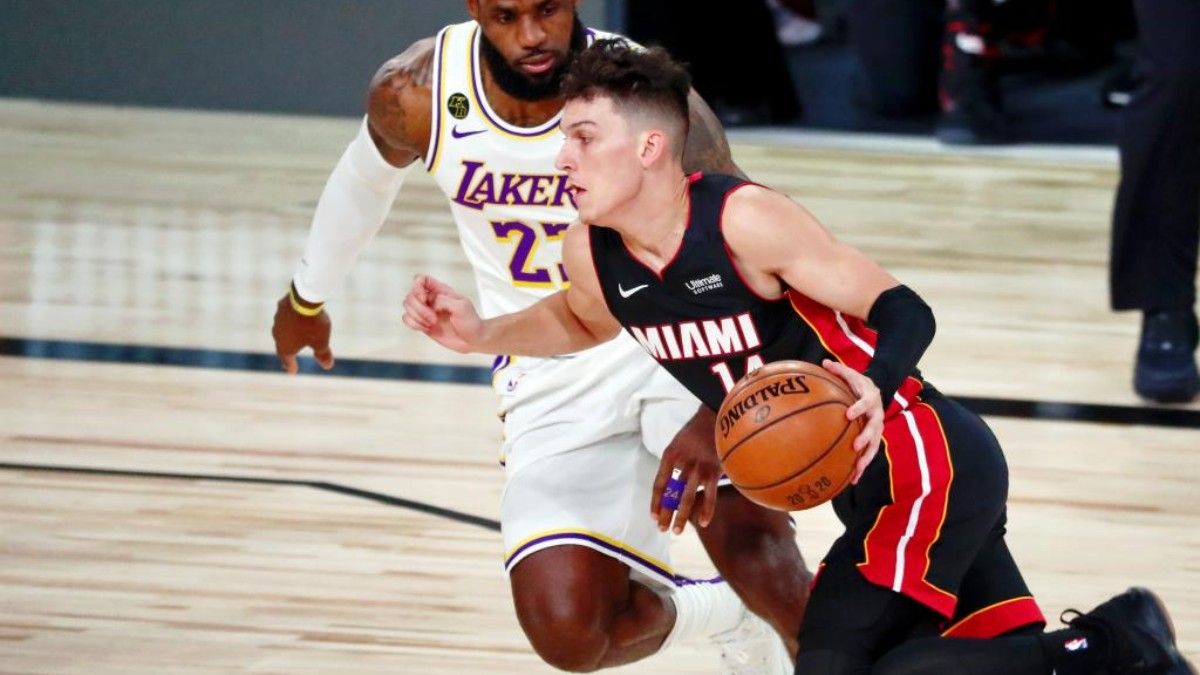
1166, 362
1117, 90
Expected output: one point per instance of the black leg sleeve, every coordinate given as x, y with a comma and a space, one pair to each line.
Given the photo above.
1016, 654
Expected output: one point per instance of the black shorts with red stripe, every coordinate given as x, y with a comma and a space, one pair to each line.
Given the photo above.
925, 523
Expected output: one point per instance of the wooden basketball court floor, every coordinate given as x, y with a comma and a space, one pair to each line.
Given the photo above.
169, 502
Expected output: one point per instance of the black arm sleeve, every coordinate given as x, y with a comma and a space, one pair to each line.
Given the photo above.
906, 327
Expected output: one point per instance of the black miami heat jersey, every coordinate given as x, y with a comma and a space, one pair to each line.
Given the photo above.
927, 511
704, 324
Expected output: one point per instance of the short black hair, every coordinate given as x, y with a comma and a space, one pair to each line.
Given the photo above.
642, 79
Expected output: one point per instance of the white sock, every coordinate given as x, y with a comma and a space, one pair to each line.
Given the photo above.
704, 609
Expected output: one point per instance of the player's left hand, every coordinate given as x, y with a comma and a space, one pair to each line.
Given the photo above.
694, 452
868, 406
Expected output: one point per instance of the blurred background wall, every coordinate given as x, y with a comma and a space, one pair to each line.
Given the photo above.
298, 56
824, 71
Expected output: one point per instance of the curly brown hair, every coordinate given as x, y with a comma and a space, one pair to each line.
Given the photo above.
638, 81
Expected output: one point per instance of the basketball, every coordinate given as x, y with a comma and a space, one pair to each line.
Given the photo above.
783, 437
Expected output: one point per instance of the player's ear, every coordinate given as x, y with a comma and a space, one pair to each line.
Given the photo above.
653, 146
473, 9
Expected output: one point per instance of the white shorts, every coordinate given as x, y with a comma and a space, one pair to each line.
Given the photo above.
582, 440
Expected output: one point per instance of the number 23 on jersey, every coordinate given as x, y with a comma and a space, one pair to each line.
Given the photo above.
524, 239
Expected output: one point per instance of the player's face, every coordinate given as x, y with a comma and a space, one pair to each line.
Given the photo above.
600, 157
527, 43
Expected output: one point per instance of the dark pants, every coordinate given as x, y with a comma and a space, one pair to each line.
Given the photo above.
1156, 222
906, 48
898, 47
927, 518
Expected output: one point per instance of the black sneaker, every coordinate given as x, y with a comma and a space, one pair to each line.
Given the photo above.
1166, 363
1140, 634
1117, 90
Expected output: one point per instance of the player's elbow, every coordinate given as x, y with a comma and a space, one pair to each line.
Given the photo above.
927, 316
593, 333
901, 307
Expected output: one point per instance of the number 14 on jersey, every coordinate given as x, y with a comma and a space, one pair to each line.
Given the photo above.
721, 369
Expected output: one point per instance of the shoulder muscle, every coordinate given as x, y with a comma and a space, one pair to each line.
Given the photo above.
398, 105
707, 148
766, 228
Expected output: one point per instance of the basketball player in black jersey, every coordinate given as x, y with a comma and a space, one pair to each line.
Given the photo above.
714, 275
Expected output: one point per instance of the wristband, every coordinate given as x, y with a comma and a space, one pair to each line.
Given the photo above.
301, 309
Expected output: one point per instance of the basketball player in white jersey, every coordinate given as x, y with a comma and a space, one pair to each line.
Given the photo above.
592, 584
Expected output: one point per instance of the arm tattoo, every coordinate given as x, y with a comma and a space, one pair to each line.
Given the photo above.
415, 63
393, 117
706, 149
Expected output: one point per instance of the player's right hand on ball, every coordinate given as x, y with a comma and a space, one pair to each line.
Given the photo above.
293, 331
446, 316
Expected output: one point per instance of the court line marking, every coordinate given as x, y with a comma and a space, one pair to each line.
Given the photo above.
1065, 411
390, 500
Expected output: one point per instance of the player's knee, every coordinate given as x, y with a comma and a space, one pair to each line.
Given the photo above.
571, 650
566, 633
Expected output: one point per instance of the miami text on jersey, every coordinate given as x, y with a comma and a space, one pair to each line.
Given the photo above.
699, 339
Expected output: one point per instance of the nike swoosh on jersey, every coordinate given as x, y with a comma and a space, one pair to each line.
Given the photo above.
626, 293
463, 134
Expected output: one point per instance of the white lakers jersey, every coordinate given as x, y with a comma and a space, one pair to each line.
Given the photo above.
510, 204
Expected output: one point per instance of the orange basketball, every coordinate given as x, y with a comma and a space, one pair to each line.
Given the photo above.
783, 437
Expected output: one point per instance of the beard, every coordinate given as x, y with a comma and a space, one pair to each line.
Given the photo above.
527, 87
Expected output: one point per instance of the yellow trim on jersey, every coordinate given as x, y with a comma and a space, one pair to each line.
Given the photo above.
475, 81
562, 232
439, 119
937, 536
989, 608
511, 360
525, 264
883, 446
563, 281
508, 555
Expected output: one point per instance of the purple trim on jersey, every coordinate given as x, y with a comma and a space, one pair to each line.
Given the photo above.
481, 98
500, 362
431, 153
599, 542
681, 580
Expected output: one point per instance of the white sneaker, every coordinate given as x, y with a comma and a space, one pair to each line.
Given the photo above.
752, 647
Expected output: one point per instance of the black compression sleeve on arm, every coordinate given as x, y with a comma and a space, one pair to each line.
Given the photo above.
906, 327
